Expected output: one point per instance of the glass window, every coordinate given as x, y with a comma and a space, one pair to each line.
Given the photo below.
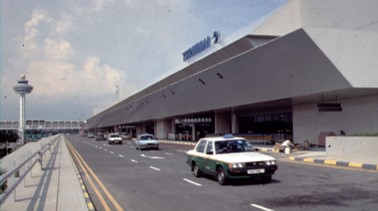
233, 146
209, 148
201, 146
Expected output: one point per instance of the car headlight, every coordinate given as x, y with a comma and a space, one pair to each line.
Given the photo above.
236, 165
270, 162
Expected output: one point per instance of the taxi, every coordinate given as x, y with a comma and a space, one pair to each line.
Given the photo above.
228, 158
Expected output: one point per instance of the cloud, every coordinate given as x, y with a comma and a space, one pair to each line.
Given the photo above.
64, 24
57, 50
38, 17
95, 6
56, 79
32, 32
49, 58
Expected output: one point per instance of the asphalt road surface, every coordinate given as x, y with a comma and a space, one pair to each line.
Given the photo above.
161, 180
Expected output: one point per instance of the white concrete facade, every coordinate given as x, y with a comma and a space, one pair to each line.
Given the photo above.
359, 115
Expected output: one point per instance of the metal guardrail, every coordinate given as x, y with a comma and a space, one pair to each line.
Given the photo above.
15, 171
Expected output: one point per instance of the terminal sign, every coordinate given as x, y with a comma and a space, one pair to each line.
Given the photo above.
200, 46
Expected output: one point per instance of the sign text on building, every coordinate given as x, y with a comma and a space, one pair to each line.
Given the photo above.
200, 46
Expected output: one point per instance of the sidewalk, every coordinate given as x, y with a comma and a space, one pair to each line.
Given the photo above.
57, 187
319, 156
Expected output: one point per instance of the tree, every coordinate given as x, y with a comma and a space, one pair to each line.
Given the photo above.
6, 137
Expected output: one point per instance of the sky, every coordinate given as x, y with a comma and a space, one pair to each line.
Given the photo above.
82, 56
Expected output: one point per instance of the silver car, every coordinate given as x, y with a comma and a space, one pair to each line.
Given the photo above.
146, 141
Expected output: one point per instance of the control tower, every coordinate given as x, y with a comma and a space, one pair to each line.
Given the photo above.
22, 88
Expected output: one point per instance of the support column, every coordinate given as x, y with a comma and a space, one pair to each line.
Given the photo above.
222, 122
234, 123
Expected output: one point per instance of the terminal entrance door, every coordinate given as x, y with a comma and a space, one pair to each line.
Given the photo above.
280, 125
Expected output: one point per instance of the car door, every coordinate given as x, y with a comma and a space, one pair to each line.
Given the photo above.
208, 159
200, 155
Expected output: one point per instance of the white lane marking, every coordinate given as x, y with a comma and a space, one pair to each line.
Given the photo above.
152, 157
261, 207
95, 146
111, 152
168, 153
191, 182
100, 147
120, 155
179, 150
134, 161
154, 168
106, 150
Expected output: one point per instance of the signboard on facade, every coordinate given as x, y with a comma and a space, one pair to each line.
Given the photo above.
201, 46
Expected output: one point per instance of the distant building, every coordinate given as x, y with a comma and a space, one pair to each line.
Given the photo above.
36, 129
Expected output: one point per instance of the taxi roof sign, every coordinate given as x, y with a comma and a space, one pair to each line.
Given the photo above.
228, 136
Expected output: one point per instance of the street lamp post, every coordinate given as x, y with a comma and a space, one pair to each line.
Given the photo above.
22, 88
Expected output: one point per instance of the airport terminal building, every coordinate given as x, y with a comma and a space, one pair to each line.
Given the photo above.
308, 69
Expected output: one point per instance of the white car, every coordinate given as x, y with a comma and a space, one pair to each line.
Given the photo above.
114, 138
146, 141
228, 158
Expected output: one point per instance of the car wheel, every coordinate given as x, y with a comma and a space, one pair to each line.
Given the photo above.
196, 171
221, 176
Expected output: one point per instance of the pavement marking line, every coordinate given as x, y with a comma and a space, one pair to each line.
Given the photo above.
261, 207
330, 162
191, 182
110, 197
356, 165
134, 161
111, 152
154, 168
120, 155
97, 192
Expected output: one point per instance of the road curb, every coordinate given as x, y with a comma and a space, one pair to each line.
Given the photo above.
178, 142
335, 163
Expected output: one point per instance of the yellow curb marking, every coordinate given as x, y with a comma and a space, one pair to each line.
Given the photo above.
90, 206
291, 158
308, 160
357, 165
330, 162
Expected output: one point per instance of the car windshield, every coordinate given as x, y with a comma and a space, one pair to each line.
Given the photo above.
233, 146
146, 137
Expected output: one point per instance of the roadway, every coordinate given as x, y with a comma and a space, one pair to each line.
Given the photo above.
161, 180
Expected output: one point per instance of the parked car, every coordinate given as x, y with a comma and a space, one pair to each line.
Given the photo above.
230, 157
114, 138
146, 141
100, 137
